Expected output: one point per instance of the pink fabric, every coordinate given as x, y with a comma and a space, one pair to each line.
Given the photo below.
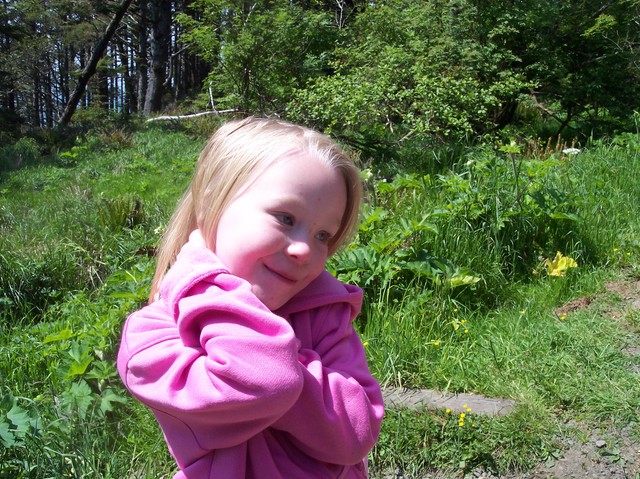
242, 392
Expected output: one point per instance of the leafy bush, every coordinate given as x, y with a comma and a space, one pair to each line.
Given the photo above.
251, 71
464, 231
415, 70
24, 152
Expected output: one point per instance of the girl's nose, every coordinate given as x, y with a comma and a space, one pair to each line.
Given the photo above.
299, 249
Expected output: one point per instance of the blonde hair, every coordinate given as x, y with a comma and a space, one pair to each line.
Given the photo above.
235, 155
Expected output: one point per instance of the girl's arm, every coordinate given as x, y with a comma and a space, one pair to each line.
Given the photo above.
337, 417
215, 366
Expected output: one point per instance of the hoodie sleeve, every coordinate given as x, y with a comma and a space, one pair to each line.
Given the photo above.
338, 414
212, 362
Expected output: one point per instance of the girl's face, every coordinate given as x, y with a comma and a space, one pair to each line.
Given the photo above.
275, 234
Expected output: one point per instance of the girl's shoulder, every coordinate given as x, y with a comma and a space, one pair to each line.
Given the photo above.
194, 265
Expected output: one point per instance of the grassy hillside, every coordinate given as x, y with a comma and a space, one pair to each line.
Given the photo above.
464, 258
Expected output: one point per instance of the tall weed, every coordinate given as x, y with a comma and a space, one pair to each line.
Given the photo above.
493, 216
30, 284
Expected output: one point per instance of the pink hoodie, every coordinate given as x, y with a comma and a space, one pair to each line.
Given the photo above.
241, 392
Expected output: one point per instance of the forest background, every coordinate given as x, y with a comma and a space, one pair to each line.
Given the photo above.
373, 71
499, 145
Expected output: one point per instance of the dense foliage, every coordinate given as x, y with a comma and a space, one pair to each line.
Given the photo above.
372, 72
460, 69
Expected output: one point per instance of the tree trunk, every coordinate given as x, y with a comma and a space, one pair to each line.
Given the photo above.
141, 58
102, 96
48, 98
190, 70
91, 67
160, 14
37, 109
129, 99
65, 74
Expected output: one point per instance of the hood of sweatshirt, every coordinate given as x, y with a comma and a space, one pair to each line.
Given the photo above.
323, 291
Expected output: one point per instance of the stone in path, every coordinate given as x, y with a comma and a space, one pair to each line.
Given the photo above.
427, 399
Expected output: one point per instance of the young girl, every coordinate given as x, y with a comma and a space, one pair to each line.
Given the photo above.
246, 353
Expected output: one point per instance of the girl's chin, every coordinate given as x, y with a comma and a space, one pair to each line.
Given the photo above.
270, 301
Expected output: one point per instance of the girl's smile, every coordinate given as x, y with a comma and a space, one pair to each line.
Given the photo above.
276, 233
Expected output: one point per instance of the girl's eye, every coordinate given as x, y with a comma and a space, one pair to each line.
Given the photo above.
323, 236
285, 219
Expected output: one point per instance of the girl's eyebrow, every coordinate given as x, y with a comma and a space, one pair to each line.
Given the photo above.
288, 200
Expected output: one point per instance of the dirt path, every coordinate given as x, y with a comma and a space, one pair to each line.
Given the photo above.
604, 454
609, 453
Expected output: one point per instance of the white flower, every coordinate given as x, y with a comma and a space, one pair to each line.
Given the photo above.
571, 151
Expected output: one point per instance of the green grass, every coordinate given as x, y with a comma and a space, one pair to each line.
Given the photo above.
458, 298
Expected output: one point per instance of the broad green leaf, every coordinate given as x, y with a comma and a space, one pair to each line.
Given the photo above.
20, 419
78, 398
78, 368
7, 437
108, 397
58, 336
462, 280
564, 216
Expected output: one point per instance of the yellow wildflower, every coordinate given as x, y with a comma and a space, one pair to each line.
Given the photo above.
559, 265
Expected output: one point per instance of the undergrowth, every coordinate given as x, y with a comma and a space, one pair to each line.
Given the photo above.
463, 262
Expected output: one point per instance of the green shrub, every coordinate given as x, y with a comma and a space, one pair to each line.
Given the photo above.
24, 152
493, 215
30, 284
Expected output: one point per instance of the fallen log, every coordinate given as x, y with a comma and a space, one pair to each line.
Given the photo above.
192, 115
